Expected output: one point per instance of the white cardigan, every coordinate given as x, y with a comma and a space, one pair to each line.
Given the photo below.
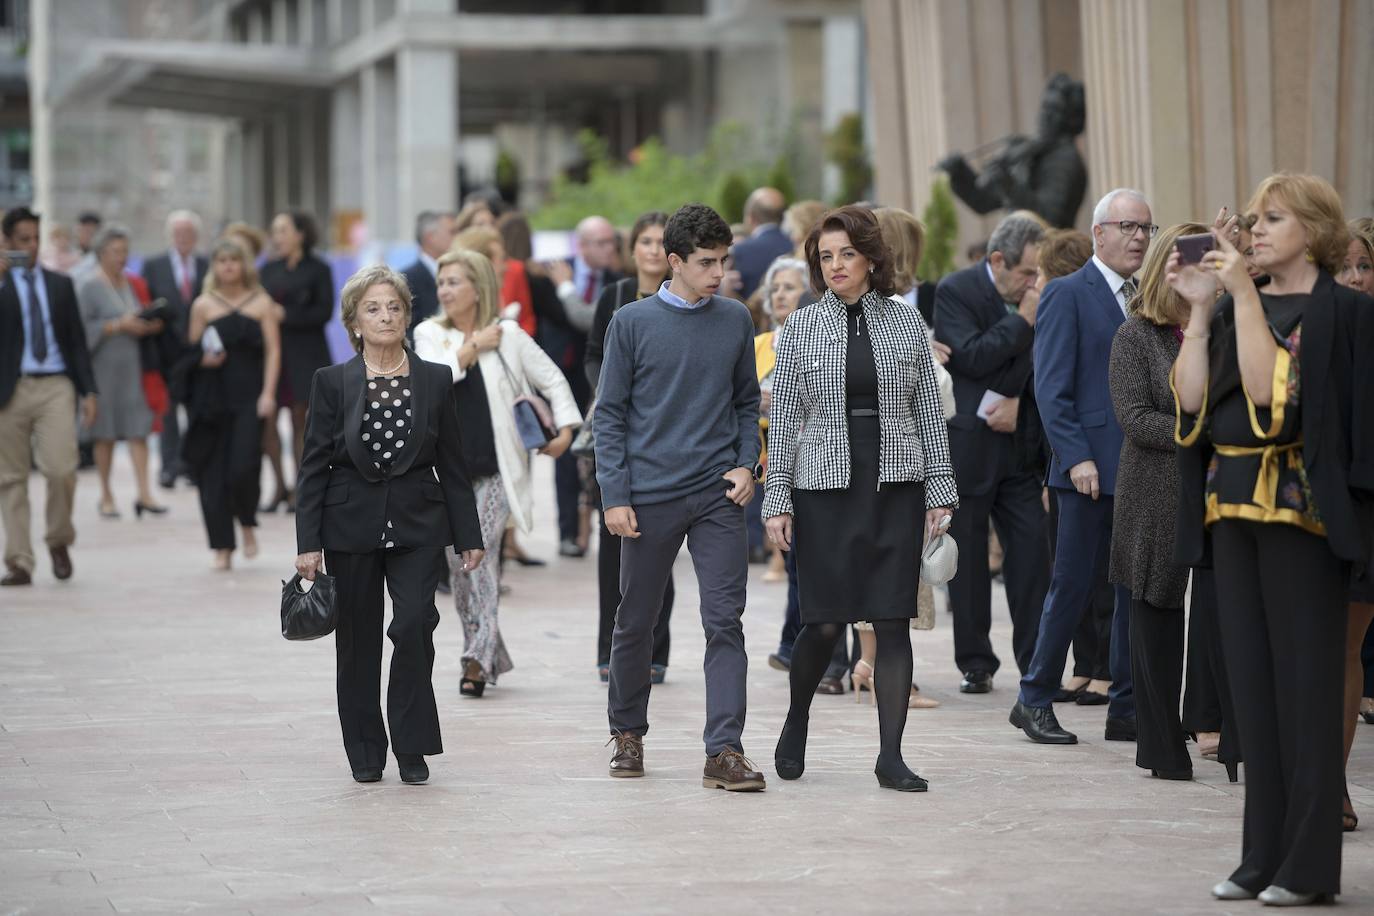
438, 344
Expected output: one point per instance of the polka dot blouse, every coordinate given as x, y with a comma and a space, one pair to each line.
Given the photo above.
386, 426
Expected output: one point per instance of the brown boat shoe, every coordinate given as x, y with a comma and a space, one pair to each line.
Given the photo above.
628, 758
732, 771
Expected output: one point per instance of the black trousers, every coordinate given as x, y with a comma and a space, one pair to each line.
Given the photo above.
1207, 703
410, 576
1157, 669
608, 587
1282, 608
1092, 641
228, 482
1013, 507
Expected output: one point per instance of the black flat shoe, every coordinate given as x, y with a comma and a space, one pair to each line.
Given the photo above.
830, 686
789, 758
141, 507
414, 770
367, 774
1092, 698
904, 783
1180, 775
528, 561
1065, 695
1040, 724
469, 687
976, 682
1120, 728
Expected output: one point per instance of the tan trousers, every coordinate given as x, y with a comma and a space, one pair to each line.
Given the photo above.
38, 425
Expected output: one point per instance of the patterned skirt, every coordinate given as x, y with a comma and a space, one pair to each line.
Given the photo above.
477, 593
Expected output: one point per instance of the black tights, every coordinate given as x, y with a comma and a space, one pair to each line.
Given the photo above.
891, 684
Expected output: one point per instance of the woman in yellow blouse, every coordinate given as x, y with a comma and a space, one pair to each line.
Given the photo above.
1275, 420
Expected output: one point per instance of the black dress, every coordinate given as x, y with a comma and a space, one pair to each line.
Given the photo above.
223, 443
307, 294
858, 550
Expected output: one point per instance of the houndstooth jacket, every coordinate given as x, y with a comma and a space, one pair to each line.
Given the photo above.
808, 427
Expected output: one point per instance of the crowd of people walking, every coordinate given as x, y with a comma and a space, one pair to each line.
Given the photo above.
1115, 424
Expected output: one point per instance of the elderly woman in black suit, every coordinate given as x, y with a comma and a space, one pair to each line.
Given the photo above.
859, 456
382, 491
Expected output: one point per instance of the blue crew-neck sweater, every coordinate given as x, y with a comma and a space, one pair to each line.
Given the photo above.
678, 401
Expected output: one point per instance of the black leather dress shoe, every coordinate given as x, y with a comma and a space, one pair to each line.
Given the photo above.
414, 771
1119, 728
1040, 724
976, 682
1180, 775
367, 774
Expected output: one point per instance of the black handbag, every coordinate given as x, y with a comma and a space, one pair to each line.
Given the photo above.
308, 614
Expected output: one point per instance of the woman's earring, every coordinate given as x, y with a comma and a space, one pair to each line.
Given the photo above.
1310, 259
357, 333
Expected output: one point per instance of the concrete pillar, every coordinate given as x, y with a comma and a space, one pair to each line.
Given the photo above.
379, 148
842, 82
255, 204
426, 132
41, 115
345, 146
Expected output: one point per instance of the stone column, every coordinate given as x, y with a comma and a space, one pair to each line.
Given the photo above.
426, 133
379, 146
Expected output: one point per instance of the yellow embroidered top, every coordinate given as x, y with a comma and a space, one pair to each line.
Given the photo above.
1257, 471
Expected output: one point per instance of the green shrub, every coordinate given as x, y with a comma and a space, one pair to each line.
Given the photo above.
942, 231
844, 147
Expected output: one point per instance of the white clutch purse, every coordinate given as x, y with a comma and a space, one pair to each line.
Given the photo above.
940, 559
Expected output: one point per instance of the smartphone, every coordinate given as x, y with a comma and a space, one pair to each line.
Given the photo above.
1191, 248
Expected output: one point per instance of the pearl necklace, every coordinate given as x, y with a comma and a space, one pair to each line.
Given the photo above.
373, 369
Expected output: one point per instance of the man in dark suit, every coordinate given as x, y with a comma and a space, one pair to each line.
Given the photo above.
563, 335
44, 368
434, 235
766, 242
1076, 321
986, 315
177, 275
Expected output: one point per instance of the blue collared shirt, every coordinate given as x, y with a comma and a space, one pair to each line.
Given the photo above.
677, 301
27, 363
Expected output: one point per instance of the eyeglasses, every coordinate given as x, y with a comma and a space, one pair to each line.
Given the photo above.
1130, 226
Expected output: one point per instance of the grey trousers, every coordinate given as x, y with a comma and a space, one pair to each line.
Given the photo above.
714, 529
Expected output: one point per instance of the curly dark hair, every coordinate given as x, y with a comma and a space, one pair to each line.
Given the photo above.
695, 226
865, 235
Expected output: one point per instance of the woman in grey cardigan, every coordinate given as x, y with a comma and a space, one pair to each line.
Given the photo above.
1142, 559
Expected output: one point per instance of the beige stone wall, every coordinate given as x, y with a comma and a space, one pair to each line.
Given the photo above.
1192, 101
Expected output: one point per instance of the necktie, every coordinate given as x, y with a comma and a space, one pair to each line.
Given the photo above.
38, 335
186, 281
1128, 291
589, 293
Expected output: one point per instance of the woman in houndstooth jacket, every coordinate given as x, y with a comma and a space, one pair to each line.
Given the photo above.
859, 459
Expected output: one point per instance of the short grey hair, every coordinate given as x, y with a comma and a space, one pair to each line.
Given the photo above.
1012, 235
183, 216
778, 266
1105, 204
426, 221
111, 233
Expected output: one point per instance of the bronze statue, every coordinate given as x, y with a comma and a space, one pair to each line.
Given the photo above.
1043, 173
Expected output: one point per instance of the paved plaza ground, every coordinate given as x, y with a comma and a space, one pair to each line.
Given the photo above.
162, 749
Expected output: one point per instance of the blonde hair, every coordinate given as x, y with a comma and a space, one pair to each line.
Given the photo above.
1363, 229
798, 219
360, 283
469, 213
906, 239
1156, 301
251, 234
235, 250
1317, 207
477, 269
479, 239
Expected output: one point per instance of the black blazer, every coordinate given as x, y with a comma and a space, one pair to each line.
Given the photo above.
343, 502
620, 293
1336, 369
753, 255
162, 284
992, 350
424, 293
66, 327
564, 344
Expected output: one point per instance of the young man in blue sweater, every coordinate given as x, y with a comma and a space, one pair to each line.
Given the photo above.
676, 444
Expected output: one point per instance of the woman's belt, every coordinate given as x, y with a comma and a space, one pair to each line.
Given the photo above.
1267, 480
863, 412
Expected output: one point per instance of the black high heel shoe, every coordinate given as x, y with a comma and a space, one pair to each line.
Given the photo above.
471, 687
140, 507
284, 498
1232, 770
